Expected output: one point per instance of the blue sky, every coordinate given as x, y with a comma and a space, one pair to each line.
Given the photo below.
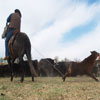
93, 1
64, 28
79, 31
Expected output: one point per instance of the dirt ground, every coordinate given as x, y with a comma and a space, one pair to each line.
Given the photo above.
50, 88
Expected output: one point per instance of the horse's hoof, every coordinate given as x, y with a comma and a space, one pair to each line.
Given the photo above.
11, 80
63, 79
32, 80
21, 80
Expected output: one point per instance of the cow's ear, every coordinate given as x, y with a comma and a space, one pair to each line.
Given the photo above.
91, 52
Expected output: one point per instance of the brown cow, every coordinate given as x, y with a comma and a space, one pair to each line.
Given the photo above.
83, 67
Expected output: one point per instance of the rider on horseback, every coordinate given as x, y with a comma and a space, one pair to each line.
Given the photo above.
14, 21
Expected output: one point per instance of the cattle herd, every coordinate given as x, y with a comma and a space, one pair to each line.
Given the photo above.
49, 68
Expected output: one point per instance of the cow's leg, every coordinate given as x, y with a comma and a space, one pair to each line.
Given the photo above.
64, 77
68, 73
93, 76
21, 62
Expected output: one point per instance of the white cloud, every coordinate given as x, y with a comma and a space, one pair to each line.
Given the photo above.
81, 48
48, 40
46, 21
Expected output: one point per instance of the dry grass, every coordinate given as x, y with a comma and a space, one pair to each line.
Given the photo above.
80, 88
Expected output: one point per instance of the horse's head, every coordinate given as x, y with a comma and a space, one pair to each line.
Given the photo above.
6, 29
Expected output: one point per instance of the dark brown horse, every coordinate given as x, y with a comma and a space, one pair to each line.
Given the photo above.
83, 67
19, 45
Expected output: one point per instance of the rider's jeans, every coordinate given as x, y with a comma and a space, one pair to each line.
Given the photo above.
7, 40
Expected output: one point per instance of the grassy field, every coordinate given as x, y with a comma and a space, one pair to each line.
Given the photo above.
50, 88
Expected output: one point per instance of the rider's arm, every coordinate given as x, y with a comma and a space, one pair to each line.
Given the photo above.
9, 18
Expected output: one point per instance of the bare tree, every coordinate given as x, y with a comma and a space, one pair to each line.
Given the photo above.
56, 59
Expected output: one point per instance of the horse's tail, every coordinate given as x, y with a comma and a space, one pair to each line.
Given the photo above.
32, 69
28, 54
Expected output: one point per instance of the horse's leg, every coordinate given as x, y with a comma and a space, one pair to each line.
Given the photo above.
22, 68
11, 63
12, 73
32, 78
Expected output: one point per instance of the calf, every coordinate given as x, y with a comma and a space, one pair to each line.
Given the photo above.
84, 67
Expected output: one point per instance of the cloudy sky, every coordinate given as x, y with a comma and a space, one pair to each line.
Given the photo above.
64, 28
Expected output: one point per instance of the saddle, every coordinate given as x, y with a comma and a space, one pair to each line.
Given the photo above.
11, 41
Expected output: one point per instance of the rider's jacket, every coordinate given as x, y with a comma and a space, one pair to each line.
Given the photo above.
15, 21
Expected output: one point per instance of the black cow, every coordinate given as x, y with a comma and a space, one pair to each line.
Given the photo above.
62, 67
46, 67
5, 70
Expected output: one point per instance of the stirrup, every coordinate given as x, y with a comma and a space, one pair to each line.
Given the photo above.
6, 58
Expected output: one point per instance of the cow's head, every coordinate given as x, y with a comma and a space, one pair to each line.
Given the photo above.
94, 53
